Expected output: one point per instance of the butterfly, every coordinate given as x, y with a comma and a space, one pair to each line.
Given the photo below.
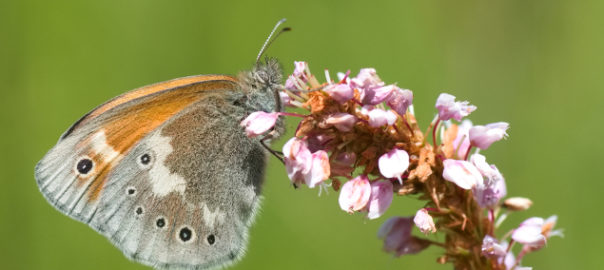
165, 171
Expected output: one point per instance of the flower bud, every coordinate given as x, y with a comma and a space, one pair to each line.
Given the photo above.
517, 203
424, 221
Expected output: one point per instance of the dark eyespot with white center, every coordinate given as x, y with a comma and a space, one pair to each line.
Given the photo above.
84, 166
139, 211
211, 239
160, 222
185, 234
145, 160
131, 191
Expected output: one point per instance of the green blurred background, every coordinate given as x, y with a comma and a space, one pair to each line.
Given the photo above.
535, 64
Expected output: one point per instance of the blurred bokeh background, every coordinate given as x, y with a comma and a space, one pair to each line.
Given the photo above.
536, 64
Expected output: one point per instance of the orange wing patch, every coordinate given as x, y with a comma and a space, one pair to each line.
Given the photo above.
117, 136
145, 91
157, 87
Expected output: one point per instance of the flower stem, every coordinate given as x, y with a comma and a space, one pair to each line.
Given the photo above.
292, 114
434, 133
467, 152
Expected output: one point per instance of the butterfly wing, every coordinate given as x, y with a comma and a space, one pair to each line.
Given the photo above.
167, 175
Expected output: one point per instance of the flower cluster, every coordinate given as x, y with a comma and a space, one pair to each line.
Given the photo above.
360, 137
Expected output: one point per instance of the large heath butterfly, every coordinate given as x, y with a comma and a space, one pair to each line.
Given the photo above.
165, 171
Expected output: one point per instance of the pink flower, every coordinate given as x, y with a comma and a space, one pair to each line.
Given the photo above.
340, 92
462, 142
535, 231
374, 96
379, 117
355, 194
448, 108
491, 189
380, 199
300, 68
259, 122
483, 136
462, 173
320, 169
394, 164
400, 100
342, 121
303, 166
492, 249
298, 159
489, 194
371, 88
396, 233
424, 221
489, 171
366, 79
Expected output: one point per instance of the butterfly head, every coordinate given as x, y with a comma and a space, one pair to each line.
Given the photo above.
261, 86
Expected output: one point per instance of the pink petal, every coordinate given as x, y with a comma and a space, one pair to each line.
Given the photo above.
448, 108
298, 159
340, 92
374, 96
285, 99
395, 232
300, 68
462, 141
342, 121
380, 199
320, 169
462, 173
258, 123
400, 100
379, 117
355, 194
492, 249
483, 136
367, 78
424, 221
529, 235
480, 162
394, 164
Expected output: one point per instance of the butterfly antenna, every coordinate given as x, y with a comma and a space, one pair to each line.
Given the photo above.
270, 38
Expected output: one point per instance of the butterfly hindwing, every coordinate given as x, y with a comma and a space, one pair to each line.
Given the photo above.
176, 213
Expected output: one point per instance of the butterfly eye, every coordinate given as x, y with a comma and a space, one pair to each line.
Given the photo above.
211, 239
84, 166
185, 234
130, 191
139, 211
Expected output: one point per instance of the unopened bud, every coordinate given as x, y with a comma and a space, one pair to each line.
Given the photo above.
517, 203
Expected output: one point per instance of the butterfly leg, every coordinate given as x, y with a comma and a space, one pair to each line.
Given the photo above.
277, 154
